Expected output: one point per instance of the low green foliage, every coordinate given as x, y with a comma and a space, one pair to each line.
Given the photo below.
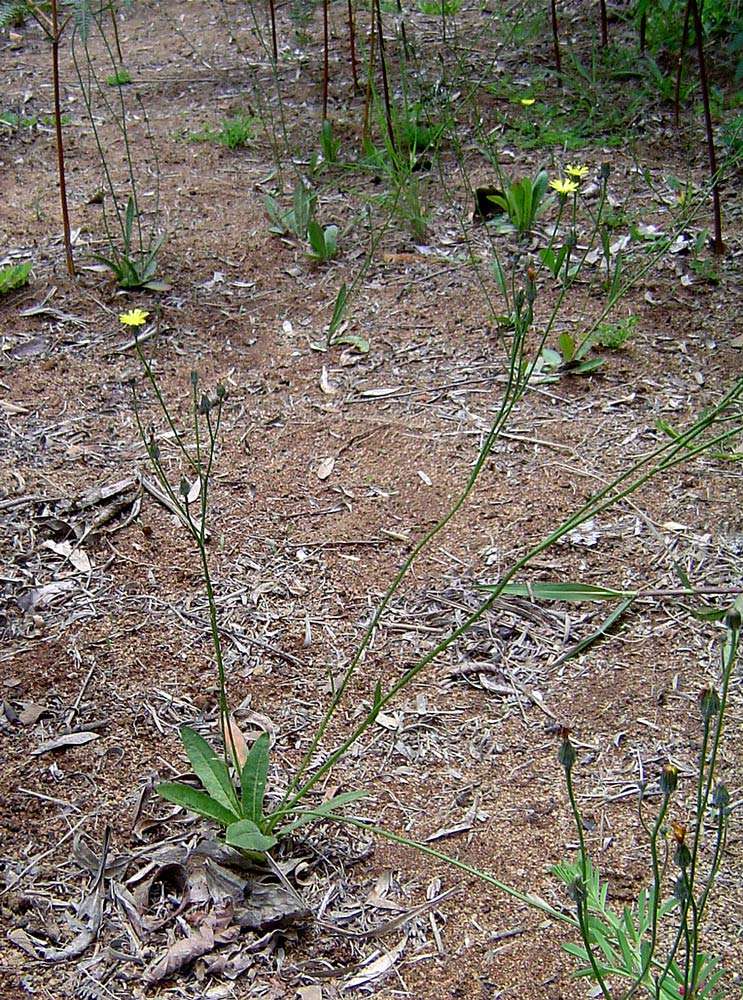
120, 78
233, 132
522, 201
13, 276
131, 268
239, 804
323, 242
294, 221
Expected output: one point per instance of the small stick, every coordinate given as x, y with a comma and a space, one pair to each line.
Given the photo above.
326, 58
604, 24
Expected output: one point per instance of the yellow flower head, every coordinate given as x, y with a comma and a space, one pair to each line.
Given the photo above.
527, 101
563, 186
575, 172
135, 317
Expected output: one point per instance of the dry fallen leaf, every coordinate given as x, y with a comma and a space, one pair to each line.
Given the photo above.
325, 468
238, 746
376, 968
68, 740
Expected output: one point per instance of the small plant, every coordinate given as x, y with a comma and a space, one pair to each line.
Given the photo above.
13, 276
234, 132
233, 789
614, 335
522, 201
329, 144
120, 78
132, 254
323, 242
637, 945
133, 269
295, 221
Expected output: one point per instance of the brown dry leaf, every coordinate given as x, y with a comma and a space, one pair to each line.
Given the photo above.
325, 468
31, 713
68, 740
236, 742
21, 940
214, 930
376, 968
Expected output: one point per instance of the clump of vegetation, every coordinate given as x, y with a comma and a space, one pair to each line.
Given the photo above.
234, 132
14, 276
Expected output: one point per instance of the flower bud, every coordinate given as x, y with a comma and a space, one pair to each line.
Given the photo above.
566, 754
721, 797
604, 171
205, 406
221, 392
680, 890
709, 703
577, 890
194, 378
732, 620
184, 487
669, 777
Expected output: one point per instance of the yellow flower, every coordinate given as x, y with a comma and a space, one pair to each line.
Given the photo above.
564, 186
135, 317
577, 173
527, 101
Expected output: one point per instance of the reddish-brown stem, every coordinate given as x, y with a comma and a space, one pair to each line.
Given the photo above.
352, 41
604, 24
369, 77
274, 41
643, 32
55, 36
326, 58
115, 26
680, 66
385, 82
718, 246
556, 39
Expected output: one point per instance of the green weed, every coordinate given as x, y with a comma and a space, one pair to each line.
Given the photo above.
14, 276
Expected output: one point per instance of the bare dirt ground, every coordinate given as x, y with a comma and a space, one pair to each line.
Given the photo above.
105, 620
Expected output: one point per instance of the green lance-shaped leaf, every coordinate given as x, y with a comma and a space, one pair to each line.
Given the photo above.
323, 810
246, 835
253, 779
211, 770
196, 801
561, 592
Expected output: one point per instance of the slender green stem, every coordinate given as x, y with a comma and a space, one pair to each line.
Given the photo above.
665, 457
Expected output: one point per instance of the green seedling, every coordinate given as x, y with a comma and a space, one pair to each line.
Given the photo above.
120, 78
13, 276
235, 796
234, 132
329, 145
522, 201
294, 222
323, 242
132, 268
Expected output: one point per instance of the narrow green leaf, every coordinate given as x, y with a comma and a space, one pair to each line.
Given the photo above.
567, 346
195, 801
561, 592
128, 223
246, 835
338, 310
323, 810
211, 770
253, 779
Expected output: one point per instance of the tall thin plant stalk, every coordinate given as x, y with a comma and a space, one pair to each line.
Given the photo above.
717, 245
